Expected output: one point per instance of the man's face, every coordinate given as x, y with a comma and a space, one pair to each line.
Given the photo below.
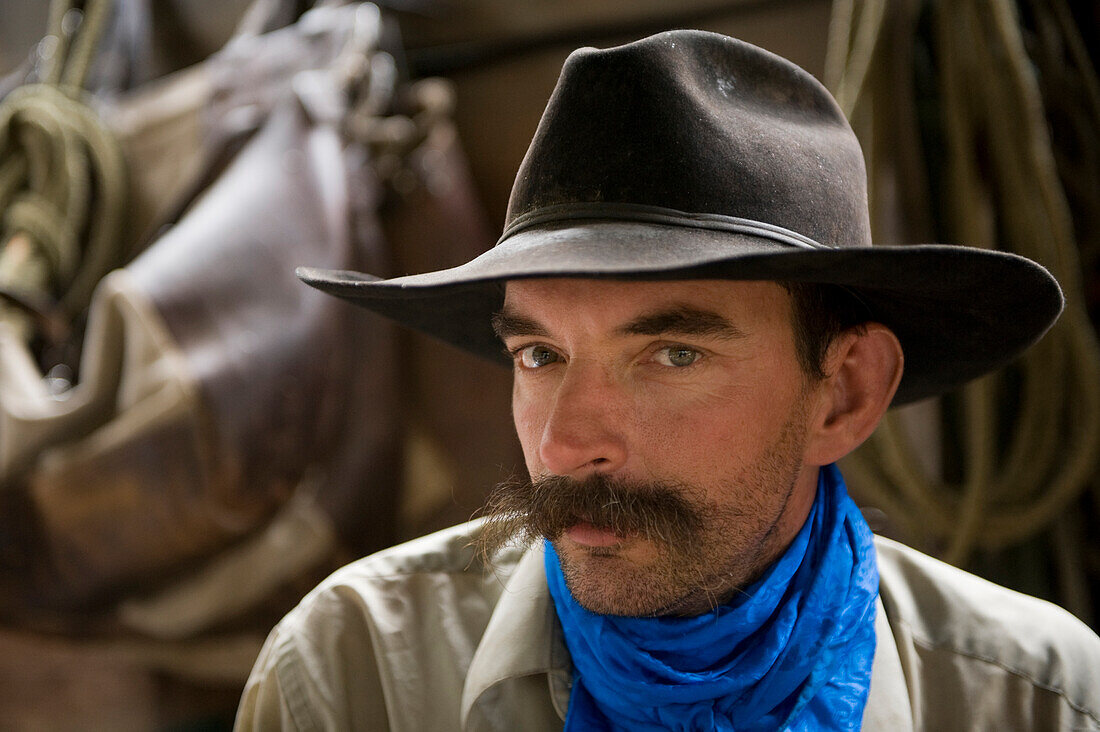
685, 387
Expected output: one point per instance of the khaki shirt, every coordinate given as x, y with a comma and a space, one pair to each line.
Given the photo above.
423, 637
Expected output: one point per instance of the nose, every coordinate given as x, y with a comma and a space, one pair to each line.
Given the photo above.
585, 429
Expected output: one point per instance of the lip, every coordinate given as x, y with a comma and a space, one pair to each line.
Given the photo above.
586, 534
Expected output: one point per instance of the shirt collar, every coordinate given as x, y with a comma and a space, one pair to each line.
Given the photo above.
523, 638
888, 706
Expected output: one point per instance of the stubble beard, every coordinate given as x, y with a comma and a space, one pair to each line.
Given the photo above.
705, 551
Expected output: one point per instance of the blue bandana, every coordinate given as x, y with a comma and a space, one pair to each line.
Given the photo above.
793, 651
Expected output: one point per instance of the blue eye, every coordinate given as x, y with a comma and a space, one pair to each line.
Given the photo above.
677, 356
533, 357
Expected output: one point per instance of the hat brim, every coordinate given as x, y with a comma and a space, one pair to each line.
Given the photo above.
958, 312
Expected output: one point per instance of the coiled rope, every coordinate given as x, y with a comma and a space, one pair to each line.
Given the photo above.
1030, 437
62, 181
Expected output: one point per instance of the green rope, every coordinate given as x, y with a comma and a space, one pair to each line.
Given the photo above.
1011, 488
62, 179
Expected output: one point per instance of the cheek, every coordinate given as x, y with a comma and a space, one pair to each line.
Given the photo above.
529, 418
714, 431
705, 437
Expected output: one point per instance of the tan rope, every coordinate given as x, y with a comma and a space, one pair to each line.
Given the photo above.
62, 178
848, 56
1008, 196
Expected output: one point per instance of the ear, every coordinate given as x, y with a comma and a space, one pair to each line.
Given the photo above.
864, 368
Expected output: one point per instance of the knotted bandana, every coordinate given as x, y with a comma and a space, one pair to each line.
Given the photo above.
793, 651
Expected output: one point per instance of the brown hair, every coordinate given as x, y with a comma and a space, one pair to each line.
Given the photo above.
820, 313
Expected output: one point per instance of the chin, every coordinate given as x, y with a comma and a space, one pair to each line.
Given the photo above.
609, 584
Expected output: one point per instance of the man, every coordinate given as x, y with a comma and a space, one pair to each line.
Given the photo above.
699, 328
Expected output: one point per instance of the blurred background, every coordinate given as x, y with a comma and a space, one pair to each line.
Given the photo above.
190, 439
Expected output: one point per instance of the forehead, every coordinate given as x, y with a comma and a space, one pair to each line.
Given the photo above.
608, 303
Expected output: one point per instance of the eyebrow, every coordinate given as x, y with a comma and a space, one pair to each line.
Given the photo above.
681, 320
507, 324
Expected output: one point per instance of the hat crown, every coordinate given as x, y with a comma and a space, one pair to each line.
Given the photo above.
700, 123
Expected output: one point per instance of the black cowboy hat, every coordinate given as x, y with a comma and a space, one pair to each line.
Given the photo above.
692, 155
